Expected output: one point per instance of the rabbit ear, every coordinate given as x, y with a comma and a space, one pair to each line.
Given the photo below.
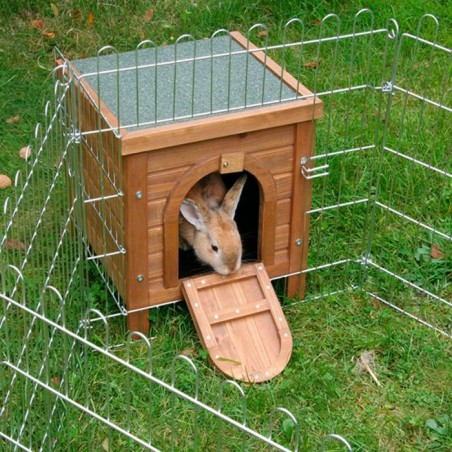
232, 197
194, 214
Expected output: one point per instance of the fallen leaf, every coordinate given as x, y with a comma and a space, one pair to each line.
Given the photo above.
229, 360
262, 33
148, 15
55, 9
318, 21
38, 23
311, 65
376, 303
14, 244
58, 162
48, 34
106, 444
25, 152
13, 119
75, 14
90, 19
437, 252
189, 352
55, 381
5, 181
83, 56
366, 362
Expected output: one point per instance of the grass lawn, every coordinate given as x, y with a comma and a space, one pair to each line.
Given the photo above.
406, 405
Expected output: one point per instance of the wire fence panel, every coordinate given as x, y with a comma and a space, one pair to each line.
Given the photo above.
380, 225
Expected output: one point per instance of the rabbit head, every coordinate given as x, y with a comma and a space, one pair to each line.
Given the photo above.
212, 232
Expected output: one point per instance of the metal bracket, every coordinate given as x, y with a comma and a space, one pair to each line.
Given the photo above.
307, 173
75, 136
387, 88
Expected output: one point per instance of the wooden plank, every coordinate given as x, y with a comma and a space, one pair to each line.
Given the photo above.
282, 237
160, 183
136, 238
284, 185
283, 211
191, 153
276, 160
220, 126
155, 212
155, 265
301, 202
155, 240
234, 313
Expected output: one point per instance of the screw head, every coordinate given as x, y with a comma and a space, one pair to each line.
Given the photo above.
225, 164
299, 242
140, 278
139, 195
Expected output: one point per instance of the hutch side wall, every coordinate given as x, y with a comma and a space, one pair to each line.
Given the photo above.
101, 177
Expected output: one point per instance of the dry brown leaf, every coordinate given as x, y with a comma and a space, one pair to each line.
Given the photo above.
366, 363
318, 21
106, 444
55, 381
148, 15
262, 33
38, 23
437, 252
90, 19
376, 303
14, 244
13, 119
5, 181
75, 14
25, 152
55, 10
189, 352
48, 34
311, 65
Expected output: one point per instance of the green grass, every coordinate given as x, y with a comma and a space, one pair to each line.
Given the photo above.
412, 409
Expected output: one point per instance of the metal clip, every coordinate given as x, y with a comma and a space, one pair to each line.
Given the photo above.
306, 172
75, 136
387, 88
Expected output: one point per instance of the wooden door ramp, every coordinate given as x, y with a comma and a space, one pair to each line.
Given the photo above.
240, 322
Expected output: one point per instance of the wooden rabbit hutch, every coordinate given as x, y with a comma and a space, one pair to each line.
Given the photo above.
162, 128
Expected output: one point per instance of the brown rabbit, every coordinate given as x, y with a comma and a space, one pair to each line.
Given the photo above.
207, 223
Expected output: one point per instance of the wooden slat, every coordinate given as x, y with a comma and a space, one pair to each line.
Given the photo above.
190, 153
160, 183
276, 160
283, 211
284, 185
220, 126
135, 180
282, 237
155, 211
155, 240
245, 310
301, 202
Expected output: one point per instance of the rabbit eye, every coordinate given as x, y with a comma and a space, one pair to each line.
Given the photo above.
214, 248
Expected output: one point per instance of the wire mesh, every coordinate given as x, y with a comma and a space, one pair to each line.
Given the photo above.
380, 224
